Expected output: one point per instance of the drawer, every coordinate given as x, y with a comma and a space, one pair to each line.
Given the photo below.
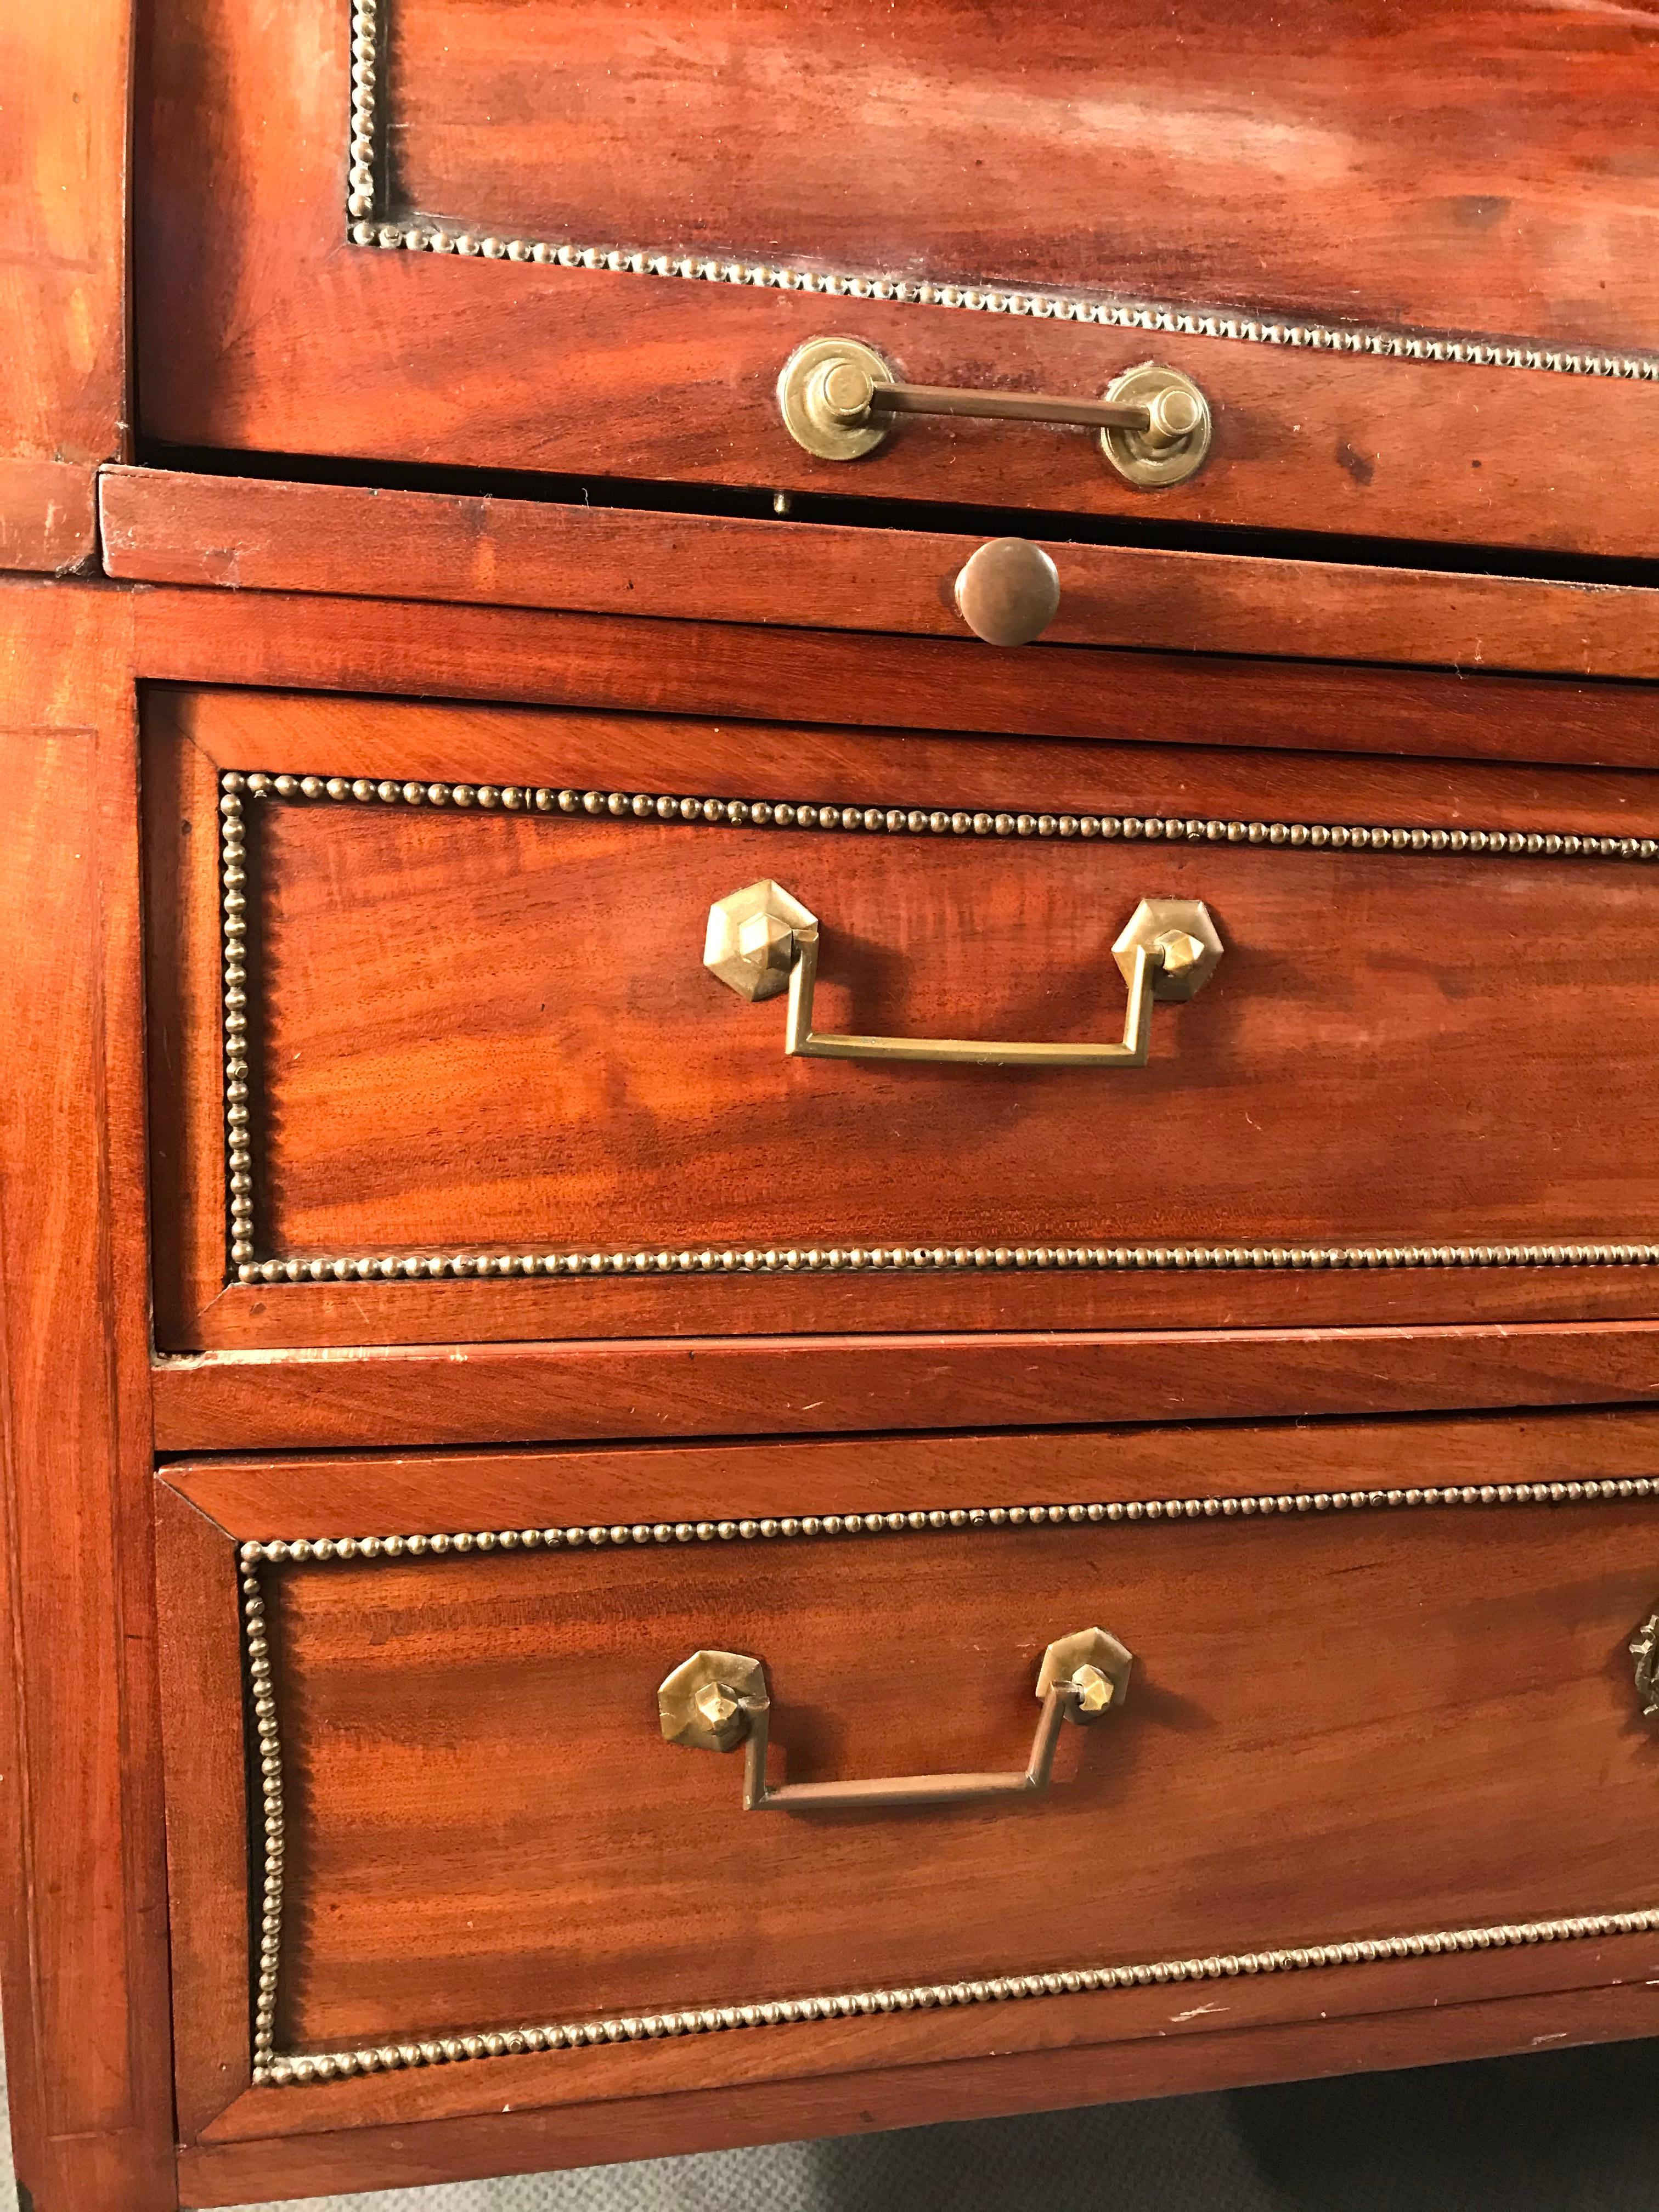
478, 1070
1363, 1747
1404, 258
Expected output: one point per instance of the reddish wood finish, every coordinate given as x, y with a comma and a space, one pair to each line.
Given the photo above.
360, 1494
1155, 151
403, 957
83, 1949
162, 525
889, 684
62, 273
1447, 141
1154, 2063
198, 1621
83, 1929
642, 2083
793, 2079
47, 518
1416, 1593
514, 1393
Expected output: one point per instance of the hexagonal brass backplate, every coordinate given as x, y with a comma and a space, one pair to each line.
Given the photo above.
1104, 1661
700, 1704
750, 944
1182, 930
1644, 1650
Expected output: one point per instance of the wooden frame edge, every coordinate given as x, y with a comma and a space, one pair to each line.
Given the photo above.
787, 1386
750, 2113
1379, 1981
82, 1918
199, 1615
165, 527
48, 515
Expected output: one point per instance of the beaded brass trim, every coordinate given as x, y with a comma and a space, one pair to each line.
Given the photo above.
262, 1698
370, 223
273, 2068
594, 1536
236, 787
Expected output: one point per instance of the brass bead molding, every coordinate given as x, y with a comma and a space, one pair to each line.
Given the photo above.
372, 221
262, 1698
595, 1535
299, 2069
273, 2068
239, 786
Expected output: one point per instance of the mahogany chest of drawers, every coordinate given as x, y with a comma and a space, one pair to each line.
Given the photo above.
767, 1371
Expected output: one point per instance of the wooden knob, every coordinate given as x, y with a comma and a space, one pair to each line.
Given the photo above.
1008, 592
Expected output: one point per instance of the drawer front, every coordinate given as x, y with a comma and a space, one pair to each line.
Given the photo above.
1361, 1721
1404, 260
444, 1046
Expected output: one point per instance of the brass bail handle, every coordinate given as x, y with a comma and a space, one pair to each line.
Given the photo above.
716, 1701
761, 941
839, 399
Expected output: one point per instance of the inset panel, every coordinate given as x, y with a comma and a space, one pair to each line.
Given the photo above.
1141, 151
1359, 1719
451, 1034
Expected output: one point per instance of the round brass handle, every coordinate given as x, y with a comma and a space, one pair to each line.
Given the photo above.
1008, 592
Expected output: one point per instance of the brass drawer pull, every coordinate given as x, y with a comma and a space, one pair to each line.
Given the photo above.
715, 1700
1645, 1650
838, 398
761, 939
1008, 592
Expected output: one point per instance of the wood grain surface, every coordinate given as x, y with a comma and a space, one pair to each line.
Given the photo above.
1153, 2063
406, 958
48, 514
84, 1921
198, 1625
350, 1494
749, 673
84, 1956
459, 1394
1458, 1647
169, 526
545, 2087
63, 273
1478, 168
1475, 168
485, 1828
